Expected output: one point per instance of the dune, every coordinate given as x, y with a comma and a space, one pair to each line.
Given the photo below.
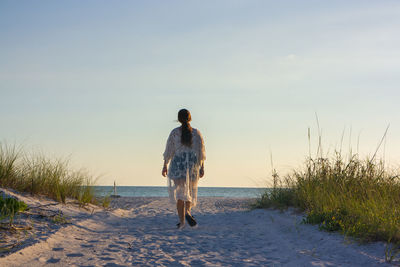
142, 232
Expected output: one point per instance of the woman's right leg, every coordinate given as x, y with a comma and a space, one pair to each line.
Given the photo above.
188, 207
180, 205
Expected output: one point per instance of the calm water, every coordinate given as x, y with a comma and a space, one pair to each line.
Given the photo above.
162, 191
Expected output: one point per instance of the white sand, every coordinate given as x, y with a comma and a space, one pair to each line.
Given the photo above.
142, 232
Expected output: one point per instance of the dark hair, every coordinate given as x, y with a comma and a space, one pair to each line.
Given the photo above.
184, 118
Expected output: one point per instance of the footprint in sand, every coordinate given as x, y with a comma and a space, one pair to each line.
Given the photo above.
75, 255
198, 263
122, 242
113, 265
87, 245
53, 260
114, 248
107, 258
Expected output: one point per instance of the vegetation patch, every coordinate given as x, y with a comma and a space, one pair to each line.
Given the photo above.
40, 175
357, 197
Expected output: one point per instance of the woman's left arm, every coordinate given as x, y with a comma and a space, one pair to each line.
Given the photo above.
168, 153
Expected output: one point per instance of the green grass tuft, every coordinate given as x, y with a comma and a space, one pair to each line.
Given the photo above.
9, 207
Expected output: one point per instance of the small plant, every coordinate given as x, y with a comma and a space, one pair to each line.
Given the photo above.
60, 219
280, 196
391, 251
328, 221
106, 201
9, 207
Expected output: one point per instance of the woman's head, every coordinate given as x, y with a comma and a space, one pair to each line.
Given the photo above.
184, 118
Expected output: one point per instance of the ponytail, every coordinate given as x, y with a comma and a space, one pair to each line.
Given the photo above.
184, 117
186, 138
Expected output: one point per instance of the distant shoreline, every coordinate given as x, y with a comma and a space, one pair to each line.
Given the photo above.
241, 187
161, 191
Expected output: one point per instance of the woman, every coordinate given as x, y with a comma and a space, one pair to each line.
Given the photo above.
185, 150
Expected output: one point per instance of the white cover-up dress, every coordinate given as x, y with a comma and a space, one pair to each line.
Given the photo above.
184, 165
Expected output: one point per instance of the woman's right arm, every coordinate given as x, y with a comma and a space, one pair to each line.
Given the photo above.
201, 173
164, 171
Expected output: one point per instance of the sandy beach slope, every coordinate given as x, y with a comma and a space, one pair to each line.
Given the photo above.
141, 232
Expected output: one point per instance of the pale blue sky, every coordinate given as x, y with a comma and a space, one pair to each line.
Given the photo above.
102, 81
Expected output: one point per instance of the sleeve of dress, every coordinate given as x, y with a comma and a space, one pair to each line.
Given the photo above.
169, 148
201, 148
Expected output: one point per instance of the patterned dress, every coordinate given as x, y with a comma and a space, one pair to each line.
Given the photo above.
184, 165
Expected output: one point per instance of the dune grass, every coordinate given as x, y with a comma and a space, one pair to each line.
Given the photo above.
358, 197
39, 175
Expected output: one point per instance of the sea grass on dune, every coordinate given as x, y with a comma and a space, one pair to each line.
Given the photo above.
39, 175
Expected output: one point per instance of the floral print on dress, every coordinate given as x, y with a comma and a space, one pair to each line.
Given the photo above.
181, 163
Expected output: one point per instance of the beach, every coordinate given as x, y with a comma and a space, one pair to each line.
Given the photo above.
141, 231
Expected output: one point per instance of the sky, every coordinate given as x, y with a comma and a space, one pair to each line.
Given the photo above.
101, 83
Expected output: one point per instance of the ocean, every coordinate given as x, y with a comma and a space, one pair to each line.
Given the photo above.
162, 191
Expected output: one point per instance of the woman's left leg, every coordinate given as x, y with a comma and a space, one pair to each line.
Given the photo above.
180, 204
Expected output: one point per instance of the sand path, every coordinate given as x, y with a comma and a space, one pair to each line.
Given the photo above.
228, 234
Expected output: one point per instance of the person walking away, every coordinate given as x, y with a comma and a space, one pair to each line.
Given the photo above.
184, 158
